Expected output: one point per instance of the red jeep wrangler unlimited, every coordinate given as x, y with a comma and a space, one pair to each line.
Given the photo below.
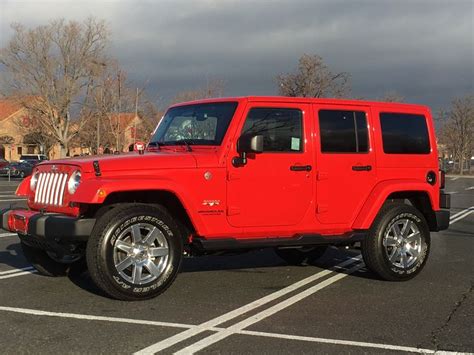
233, 174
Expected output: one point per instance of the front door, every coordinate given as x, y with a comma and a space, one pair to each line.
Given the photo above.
345, 162
275, 187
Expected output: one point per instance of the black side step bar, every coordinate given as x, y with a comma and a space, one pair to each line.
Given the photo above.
298, 240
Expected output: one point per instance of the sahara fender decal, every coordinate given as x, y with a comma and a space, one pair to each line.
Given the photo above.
96, 191
380, 193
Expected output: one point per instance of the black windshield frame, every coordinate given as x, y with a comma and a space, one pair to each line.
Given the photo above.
222, 112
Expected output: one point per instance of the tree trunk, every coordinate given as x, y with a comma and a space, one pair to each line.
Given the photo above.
461, 165
64, 150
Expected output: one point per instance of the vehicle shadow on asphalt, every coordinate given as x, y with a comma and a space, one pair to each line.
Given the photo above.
257, 261
456, 232
13, 256
260, 261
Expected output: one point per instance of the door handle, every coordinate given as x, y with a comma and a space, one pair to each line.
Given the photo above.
362, 167
300, 168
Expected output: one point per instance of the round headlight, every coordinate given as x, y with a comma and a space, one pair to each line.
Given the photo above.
34, 181
74, 182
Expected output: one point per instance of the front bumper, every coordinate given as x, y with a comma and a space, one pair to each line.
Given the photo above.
46, 229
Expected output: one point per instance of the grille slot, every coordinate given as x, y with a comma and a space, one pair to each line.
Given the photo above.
50, 189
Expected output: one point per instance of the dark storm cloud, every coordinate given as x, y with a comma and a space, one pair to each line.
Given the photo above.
421, 49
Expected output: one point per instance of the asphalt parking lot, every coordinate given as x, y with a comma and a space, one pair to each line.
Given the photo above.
252, 303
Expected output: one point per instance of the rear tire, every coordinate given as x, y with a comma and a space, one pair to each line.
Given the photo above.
398, 243
300, 256
43, 263
134, 252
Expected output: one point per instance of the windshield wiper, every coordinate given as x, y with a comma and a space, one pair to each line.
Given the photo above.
185, 141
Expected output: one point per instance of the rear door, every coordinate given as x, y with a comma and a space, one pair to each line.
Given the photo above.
345, 162
274, 188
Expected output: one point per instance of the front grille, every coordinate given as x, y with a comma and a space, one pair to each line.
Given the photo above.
50, 189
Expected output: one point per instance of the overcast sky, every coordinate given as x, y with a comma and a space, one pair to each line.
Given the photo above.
424, 50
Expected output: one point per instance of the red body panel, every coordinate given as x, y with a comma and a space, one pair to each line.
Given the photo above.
264, 198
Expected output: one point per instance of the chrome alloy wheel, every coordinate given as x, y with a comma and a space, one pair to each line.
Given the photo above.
141, 253
403, 243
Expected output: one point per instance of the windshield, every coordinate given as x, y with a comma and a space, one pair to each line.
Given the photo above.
201, 124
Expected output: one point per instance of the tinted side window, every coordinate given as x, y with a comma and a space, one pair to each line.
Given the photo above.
343, 131
281, 128
404, 133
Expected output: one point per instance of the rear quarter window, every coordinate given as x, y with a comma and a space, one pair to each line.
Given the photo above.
404, 133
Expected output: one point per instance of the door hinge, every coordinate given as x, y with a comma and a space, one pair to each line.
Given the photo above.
322, 175
232, 176
321, 208
232, 211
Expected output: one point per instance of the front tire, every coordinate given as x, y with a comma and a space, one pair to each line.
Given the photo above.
398, 244
134, 252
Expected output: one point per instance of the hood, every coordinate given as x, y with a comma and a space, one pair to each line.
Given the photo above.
131, 161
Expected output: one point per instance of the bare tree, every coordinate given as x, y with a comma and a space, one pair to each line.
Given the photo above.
313, 79
7, 140
33, 133
57, 64
113, 101
392, 96
95, 133
213, 88
457, 132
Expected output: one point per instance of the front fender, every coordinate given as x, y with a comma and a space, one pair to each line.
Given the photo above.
95, 191
379, 195
24, 188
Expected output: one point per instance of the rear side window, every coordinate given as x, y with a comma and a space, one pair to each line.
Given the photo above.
343, 131
404, 133
281, 128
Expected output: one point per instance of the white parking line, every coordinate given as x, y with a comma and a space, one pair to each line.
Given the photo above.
460, 213
345, 342
92, 317
22, 273
220, 335
35, 312
28, 268
16, 199
4, 235
470, 188
457, 219
454, 178
166, 343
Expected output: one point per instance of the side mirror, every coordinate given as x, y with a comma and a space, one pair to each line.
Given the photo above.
250, 144
247, 144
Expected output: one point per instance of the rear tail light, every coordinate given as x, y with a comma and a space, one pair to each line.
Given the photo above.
442, 178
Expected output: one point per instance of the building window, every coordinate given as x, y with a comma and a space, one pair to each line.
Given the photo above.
343, 131
19, 150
